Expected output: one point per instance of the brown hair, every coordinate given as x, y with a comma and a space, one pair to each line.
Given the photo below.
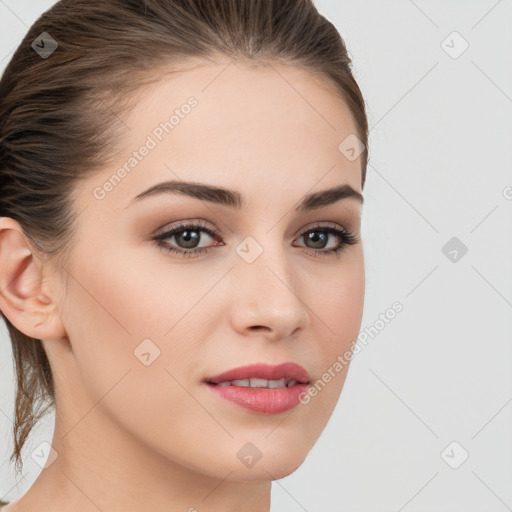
59, 112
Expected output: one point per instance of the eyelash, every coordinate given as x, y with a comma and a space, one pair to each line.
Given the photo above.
347, 238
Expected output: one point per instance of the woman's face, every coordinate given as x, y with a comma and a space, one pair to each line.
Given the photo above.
255, 280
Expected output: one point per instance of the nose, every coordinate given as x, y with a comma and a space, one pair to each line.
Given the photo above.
267, 300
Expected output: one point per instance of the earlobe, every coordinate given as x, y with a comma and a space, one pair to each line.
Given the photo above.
22, 299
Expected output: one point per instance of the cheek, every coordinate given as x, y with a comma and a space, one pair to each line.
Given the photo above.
338, 305
138, 298
336, 313
110, 313
125, 309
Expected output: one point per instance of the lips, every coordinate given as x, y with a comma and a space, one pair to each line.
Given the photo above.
288, 371
261, 388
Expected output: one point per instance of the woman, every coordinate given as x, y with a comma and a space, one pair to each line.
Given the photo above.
181, 266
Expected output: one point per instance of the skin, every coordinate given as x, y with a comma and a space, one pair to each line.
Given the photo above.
134, 437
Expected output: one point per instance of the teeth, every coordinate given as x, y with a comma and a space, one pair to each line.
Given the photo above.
242, 382
259, 383
277, 383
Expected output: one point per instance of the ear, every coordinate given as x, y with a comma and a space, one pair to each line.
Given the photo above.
22, 298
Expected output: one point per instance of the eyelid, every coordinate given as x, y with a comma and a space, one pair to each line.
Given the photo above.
207, 226
320, 224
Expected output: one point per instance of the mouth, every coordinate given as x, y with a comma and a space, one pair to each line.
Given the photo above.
257, 383
262, 375
262, 388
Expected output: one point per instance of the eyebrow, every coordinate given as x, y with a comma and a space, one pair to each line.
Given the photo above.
233, 199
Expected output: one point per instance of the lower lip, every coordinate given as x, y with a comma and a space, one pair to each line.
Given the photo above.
262, 400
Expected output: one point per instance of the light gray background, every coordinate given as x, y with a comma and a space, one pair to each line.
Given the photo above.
441, 152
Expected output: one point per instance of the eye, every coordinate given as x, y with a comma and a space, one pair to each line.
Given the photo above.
319, 237
187, 239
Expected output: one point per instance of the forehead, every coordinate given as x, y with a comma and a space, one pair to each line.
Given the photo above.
240, 125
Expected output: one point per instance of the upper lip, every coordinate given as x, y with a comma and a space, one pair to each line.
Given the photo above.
263, 371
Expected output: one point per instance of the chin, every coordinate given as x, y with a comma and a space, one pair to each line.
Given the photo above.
281, 470
274, 466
